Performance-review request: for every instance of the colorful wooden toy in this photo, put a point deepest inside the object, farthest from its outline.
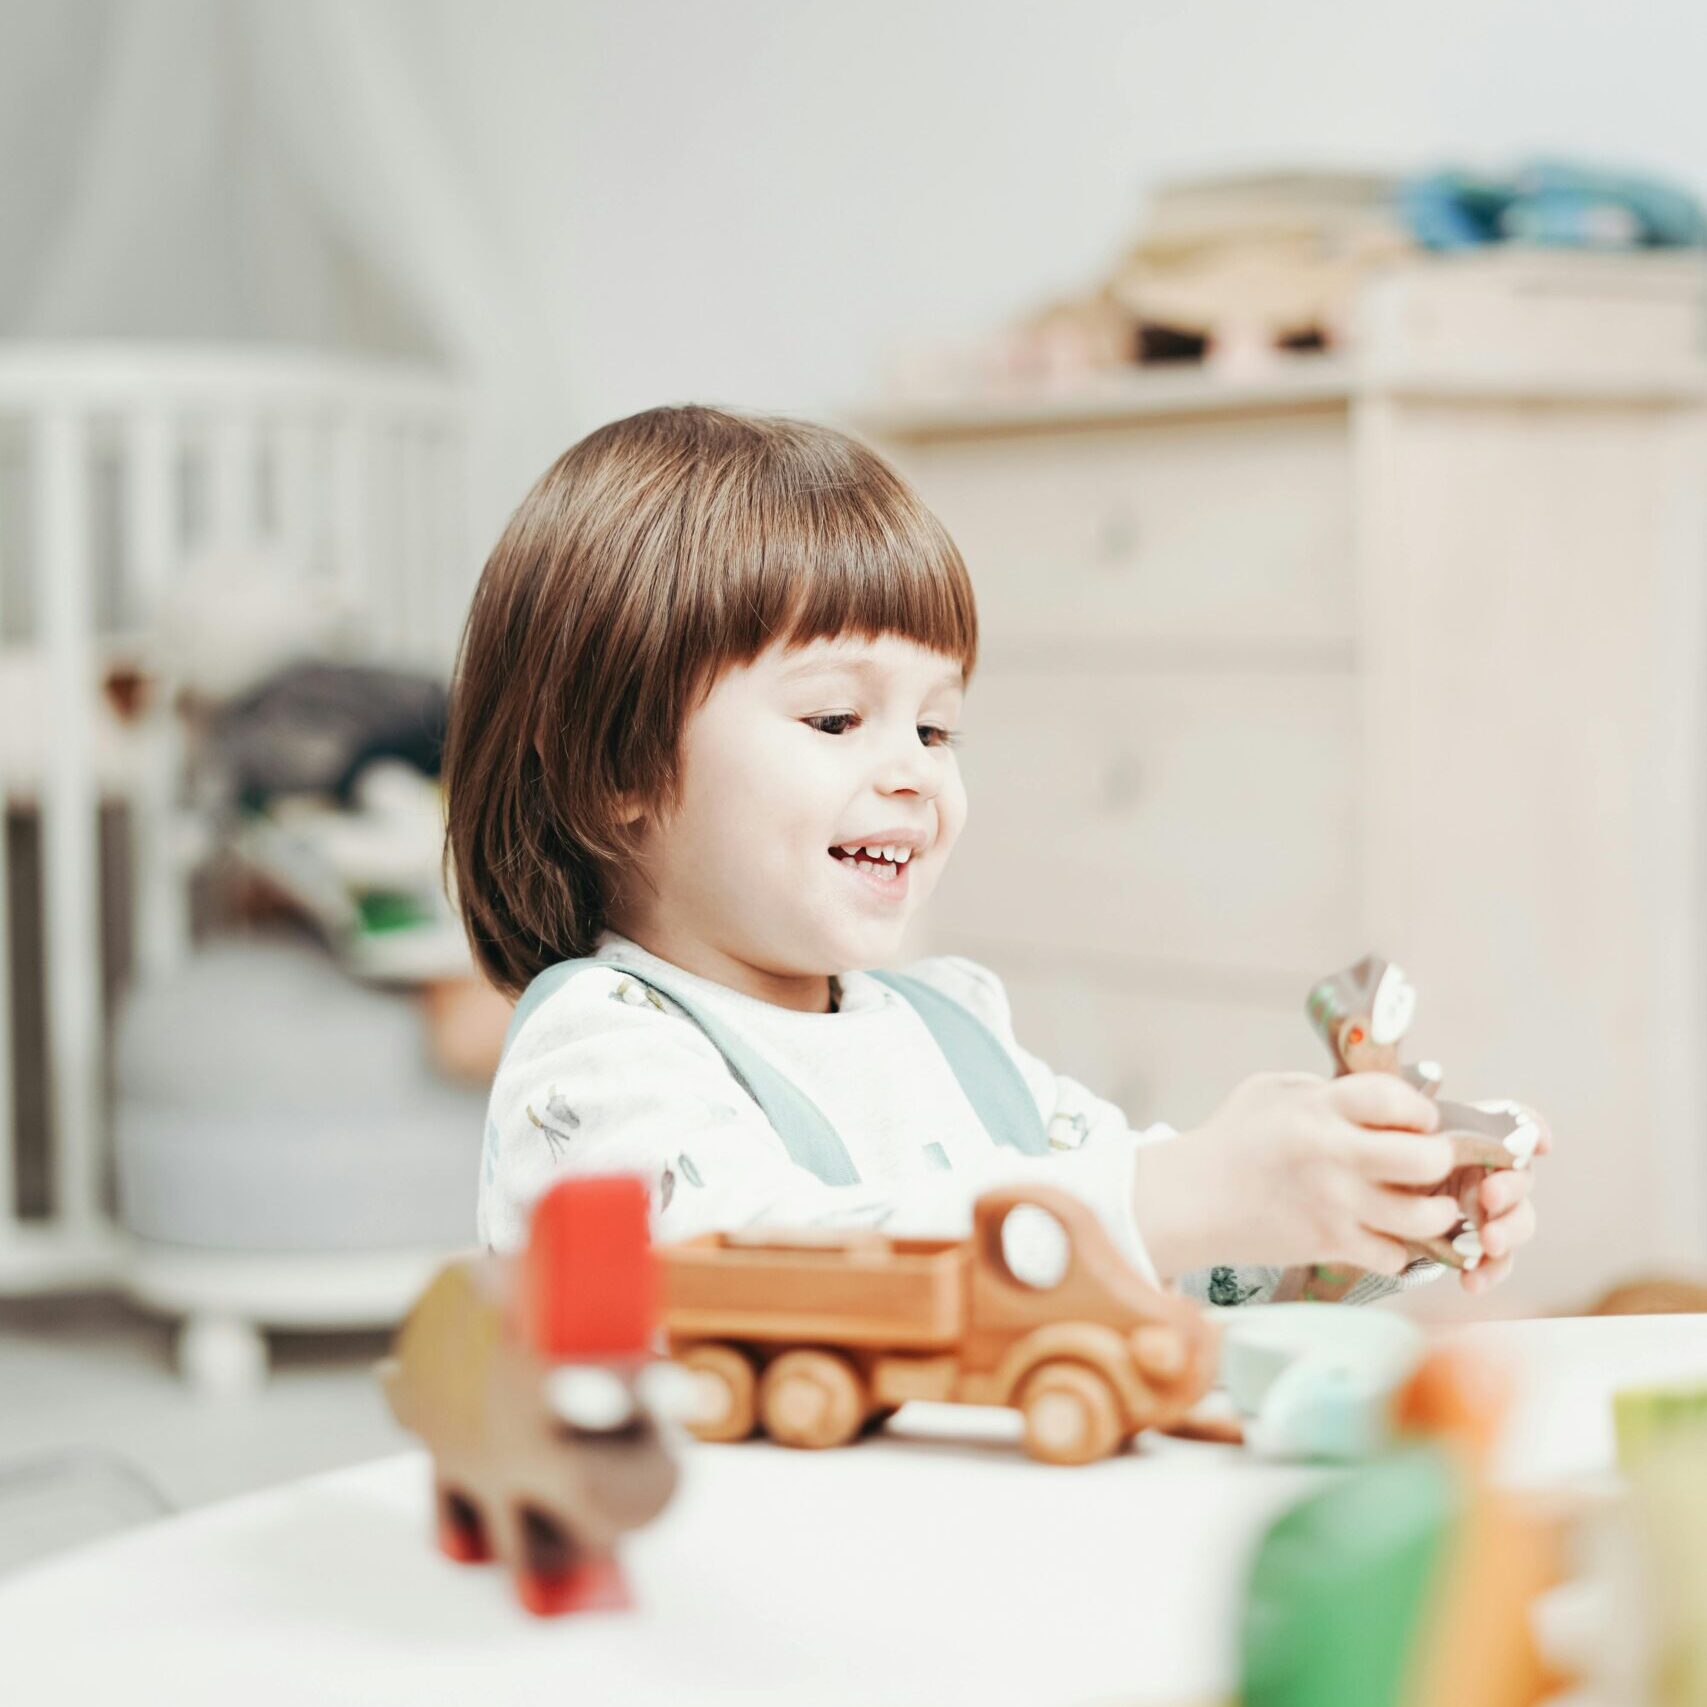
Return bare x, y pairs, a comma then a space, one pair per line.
1409, 1582
527, 1379
815, 1337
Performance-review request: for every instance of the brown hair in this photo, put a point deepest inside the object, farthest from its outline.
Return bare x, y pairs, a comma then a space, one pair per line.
652, 555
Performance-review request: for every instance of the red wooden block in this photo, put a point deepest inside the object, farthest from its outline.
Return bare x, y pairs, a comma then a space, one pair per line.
590, 1281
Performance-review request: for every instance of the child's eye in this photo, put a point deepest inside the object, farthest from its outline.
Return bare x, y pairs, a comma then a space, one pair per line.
943, 737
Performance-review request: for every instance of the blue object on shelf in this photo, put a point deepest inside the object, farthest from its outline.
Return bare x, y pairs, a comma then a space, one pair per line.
1553, 203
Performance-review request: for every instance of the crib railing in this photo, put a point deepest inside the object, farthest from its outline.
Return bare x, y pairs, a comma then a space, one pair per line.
119, 465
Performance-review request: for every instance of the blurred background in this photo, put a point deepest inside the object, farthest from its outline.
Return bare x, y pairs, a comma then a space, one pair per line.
1318, 394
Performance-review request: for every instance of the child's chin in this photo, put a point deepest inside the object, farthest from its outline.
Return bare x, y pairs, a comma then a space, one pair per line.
875, 947
849, 934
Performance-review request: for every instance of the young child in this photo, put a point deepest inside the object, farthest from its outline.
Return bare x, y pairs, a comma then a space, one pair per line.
701, 775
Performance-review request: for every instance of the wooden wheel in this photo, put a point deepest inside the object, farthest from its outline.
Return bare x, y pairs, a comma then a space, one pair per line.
812, 1399
726, 1382
1071, 1415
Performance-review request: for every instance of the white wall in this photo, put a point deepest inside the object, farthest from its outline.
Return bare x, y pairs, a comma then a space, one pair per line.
618, 202
751, 200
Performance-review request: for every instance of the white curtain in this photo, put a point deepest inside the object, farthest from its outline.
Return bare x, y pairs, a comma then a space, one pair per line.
261, 170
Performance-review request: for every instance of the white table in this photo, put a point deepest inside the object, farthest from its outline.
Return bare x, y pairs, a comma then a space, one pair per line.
934, 1565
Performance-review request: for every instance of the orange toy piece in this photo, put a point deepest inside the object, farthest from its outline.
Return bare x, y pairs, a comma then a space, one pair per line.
1454, 1397
817, 1336
1411, 1581
524, 1376
1501, 1558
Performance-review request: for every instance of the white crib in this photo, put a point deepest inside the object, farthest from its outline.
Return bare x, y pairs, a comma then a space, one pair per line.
118, 465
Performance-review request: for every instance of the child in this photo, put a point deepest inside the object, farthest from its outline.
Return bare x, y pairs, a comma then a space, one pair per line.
701, 775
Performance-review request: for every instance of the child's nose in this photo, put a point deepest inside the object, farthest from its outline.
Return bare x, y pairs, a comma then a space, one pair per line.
908, 770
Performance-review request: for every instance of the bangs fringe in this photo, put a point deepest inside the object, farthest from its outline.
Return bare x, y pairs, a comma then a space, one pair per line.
838, 546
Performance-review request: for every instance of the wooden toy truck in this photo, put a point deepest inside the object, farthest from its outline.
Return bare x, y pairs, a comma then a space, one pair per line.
815, 1338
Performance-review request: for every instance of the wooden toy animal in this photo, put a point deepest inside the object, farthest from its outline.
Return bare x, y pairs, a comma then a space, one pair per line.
527, 1379
1362, 1014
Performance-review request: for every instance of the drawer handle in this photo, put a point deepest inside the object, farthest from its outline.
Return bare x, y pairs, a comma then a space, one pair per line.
1122, 782
1117, 539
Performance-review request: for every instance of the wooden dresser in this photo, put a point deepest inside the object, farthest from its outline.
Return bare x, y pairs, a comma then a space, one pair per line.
1405, 653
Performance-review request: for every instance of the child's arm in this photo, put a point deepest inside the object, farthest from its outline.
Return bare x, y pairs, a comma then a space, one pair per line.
1197, 1204
600, 1085
1294, 1169
1499, 1201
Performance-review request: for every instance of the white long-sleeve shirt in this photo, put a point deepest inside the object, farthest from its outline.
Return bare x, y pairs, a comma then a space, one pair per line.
609, 1075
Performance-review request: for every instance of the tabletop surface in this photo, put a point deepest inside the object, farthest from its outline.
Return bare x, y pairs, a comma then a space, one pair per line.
933, 1563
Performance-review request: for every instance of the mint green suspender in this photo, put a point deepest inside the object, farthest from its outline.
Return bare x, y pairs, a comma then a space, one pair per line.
986, 1072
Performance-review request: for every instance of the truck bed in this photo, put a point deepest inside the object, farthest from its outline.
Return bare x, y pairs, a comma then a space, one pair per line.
844, 1289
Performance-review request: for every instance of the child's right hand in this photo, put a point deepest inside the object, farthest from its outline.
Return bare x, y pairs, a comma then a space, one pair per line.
1294, 1168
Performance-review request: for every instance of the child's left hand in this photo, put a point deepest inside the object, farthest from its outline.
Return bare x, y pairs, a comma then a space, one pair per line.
1508, 1216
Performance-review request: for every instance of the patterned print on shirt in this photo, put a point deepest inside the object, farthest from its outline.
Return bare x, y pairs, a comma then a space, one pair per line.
1067, 1131
559, 1122
637, 995
1224, 1287
684, 1169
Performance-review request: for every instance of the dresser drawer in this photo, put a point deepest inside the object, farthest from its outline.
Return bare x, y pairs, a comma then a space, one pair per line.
1156, 1056
1206, 531
1202, 820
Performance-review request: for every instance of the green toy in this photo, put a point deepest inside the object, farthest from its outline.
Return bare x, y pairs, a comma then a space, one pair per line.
1340, 1584
1410, 1582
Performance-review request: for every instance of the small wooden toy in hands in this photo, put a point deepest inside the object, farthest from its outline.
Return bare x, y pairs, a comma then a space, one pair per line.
1362, 1014
526, 1377
815, 1337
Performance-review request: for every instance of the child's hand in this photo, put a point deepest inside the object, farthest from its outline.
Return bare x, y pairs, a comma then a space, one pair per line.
1294, 1168
1507, 1215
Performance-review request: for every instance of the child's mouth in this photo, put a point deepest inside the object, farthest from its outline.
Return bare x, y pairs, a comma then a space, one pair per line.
879, 876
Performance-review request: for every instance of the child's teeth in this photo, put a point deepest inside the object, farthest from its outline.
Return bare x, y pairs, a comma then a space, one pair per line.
889, 861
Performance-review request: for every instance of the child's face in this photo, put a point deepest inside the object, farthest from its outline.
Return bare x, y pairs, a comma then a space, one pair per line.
803, 750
